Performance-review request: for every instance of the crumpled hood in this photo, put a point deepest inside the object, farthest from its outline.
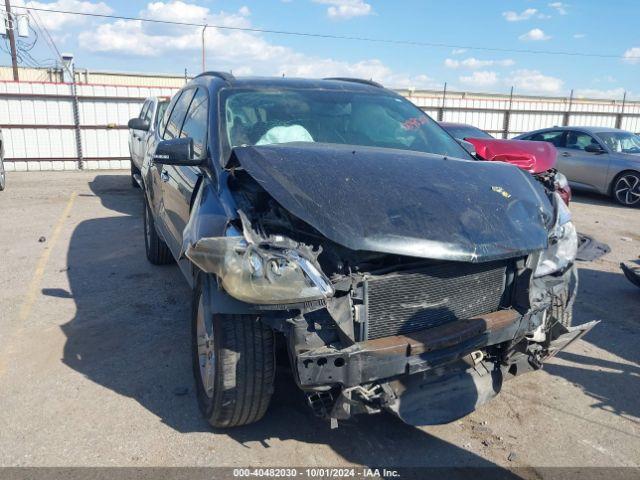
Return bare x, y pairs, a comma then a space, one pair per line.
403, 202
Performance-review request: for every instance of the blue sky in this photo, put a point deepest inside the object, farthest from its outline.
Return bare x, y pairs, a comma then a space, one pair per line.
579, 26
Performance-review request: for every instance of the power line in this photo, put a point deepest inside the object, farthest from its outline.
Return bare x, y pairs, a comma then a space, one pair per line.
341, 37
47, 37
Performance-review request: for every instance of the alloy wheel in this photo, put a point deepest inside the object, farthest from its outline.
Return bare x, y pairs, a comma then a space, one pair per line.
206, 354
627, 189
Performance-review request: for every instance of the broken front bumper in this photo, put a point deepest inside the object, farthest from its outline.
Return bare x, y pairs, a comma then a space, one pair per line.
403, 372
406, 354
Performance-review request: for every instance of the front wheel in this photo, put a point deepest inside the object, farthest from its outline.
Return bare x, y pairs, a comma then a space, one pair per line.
134, 171
3, 177
233, 362
626, 189
155, 247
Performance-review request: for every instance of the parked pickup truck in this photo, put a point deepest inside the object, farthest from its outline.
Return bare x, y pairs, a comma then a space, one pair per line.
400, 273
141, 129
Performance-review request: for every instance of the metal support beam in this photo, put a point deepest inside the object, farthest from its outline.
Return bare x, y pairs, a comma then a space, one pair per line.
76, 121
444, 100
12, 41
567, 115
507, 117
621, 114
204, 54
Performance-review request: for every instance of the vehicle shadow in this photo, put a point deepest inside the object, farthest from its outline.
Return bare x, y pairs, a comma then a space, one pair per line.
613, 383
131, 334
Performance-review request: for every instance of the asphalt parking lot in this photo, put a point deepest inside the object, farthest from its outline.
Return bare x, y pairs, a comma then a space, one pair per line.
95, 367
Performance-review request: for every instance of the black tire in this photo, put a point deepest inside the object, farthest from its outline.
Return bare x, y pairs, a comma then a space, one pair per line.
134, 171
561, 312
625, 189
157, 251
241, 368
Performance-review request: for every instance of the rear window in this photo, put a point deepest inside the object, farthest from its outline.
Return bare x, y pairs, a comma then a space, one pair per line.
162, 107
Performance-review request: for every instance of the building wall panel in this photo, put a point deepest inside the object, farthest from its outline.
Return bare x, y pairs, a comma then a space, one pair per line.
38, 122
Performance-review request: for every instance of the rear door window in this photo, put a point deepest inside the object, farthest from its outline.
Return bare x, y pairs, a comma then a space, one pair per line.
144, 110
195, 123
553, 136
167, 113
160, 111
149, 113
174, 125
579, 140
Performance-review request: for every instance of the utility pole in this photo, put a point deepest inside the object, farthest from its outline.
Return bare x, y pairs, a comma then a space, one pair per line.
12, 41
203, 48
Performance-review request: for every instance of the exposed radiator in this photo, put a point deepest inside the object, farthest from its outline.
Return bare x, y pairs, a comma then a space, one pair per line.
406, 302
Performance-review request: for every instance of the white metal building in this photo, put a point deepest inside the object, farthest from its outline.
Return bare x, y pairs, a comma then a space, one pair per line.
46, 127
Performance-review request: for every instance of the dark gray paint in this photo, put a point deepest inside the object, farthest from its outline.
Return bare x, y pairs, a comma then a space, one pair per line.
404, 202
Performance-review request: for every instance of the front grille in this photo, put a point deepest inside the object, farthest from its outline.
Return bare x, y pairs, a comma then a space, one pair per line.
406, 302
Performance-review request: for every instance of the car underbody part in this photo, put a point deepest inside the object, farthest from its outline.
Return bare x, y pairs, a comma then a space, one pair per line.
589, 249
632, 272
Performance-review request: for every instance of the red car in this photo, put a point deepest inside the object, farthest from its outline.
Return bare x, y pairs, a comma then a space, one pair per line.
537, 158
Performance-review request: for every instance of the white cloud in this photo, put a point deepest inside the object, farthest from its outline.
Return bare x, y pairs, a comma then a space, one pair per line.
632, 55
473, 63
523, 80
611, 93
480, 79
559, 7
512, 16
458, 51
533, 81
345, 9
534, 35
605, 79
56, 21
243, 52
579, 35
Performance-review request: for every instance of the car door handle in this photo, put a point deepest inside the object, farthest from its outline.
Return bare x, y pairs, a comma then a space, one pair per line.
164, 175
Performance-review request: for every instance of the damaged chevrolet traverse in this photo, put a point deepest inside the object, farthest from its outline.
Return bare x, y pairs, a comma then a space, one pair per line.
335, 218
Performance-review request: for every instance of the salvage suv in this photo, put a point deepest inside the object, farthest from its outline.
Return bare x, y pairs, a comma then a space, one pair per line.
399, 273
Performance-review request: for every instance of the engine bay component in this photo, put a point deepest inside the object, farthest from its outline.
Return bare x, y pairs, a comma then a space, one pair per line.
563, 242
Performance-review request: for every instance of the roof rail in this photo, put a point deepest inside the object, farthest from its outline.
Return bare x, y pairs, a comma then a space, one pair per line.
356, 80
227, 77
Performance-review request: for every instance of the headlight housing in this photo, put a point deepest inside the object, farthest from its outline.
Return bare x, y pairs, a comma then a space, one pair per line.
260, 274
563, 242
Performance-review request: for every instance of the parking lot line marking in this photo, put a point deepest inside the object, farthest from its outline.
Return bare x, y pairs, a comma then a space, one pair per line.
8, 347
34, 286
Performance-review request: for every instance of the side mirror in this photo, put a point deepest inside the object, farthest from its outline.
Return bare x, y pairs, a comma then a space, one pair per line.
178, 151
593, 148
468, 146
138, 124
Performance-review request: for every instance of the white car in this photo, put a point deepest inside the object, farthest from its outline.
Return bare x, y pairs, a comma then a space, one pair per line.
140, 130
